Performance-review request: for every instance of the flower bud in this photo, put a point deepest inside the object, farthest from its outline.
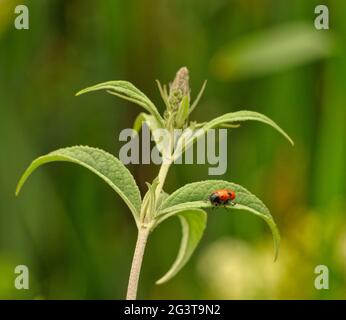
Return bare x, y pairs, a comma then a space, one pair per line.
179, 88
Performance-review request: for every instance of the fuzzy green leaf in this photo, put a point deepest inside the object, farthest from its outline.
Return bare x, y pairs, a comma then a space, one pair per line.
149, 200
162, 197
153, 125
127, 91
100, 162
195, 195
186, 140
183, 112
244, 115
193, 223
142, 117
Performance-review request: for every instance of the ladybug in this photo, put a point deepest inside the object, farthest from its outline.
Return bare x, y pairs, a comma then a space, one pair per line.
222, 197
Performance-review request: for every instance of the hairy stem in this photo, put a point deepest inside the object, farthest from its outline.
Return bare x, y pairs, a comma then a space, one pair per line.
162, 178
143, 233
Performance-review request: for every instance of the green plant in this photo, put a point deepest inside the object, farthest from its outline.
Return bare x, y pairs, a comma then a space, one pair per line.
156, 206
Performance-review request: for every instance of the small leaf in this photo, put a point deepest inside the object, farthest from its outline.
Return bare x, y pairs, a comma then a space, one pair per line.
195, 195
199, 96
127, 91
162, 197
183, 112
149, 201
164, 94
153, 125
137, 124
193, 223
105, 165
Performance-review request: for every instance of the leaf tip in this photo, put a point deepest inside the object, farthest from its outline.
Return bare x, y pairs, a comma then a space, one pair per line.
276, 247
276, 254
162, 280
18, 187
289, 139
20, 184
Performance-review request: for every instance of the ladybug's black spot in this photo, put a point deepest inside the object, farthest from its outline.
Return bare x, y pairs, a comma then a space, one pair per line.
215, 199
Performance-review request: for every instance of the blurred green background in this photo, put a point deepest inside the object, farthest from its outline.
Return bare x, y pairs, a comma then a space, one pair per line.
71, 230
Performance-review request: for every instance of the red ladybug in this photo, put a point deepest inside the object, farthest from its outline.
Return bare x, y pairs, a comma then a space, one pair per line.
222, 197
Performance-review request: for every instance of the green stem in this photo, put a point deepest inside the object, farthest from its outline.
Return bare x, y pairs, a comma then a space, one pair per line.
162, 178
143, 233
